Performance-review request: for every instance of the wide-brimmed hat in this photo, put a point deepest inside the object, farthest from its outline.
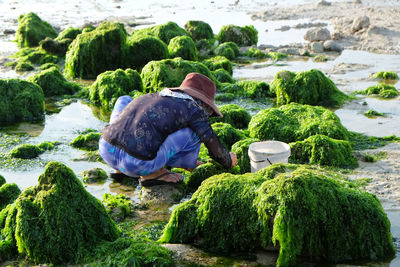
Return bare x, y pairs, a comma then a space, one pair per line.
201, 87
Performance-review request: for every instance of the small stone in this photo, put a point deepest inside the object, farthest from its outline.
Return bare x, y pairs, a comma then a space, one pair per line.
331, 45
161, 194
9, 31
95, 175
289, 51
284, 28
317, 34
360, 23
323, 3
317, 47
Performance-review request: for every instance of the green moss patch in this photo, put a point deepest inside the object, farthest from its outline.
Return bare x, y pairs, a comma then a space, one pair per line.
118, 206
20, 101
387, 75
29, 151
95, 175
88, 141
219, 62
296, 122
184, 47
241, 149
233, 114
221, 75
255, 89
320, 58
230, 50
308, 87
242, 36
112, 84
31, 30
227, 134
33, 56
199, 30
23, 66
69, 33
165, 32
373, 113
381, 89
323, 150
8, 194
303, 209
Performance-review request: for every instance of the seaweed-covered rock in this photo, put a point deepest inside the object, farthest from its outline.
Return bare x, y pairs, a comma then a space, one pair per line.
165, 31
31, 30
143, 49
8, 193
118, 206
2, 180
241, 149
95, 175
308, 87
230, 50
227, 134
184, 47
323, 150
57, 221
112, 84
7, 228
255, 89
219, 62
296, 122
223, 76
34, 56
231, 88
88, 141
69, 33
97, 51
170, 73
372, 113
233, 114
23, 66
20, 101
26, 151
199, 30
242, 36
54, 83
48, 66
381, 89
303, 209
56, 47
387, 75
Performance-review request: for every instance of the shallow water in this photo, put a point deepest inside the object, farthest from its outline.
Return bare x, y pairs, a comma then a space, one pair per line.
78, 116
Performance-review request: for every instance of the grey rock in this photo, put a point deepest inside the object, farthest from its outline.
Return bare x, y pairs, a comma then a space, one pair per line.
323, 3
9, 31
290, 51
160, 195
331, 45
317, 34
283, 28
360, 23
317, 47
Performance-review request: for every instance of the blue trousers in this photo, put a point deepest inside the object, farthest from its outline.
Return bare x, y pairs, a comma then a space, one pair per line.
180, 149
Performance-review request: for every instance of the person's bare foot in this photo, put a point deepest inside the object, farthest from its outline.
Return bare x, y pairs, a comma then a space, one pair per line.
163, 175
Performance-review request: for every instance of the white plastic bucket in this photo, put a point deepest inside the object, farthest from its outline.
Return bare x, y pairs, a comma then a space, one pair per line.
263, 154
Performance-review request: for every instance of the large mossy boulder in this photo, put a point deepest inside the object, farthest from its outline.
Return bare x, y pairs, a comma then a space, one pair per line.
57, 221
223, 76
170, 73
26, 151
112, 84
143, 49
20, 101
227, 134
323, 150
242, 36
8, 194
165, 32
307, 87
296, 122
97, 51
255, 89
233, 114
53, 83
241, 149
31, 30
230, 50
199, 30
219, 62
300, 209
184, 47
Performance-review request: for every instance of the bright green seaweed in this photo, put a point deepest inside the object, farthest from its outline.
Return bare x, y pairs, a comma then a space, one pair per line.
31, 30
242, 36
88, 141
199, 30
233, 114
184, 47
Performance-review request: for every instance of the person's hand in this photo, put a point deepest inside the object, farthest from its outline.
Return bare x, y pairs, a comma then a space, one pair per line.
234, 159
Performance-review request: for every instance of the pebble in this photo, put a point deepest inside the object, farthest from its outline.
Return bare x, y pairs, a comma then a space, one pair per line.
317, 34
331, 45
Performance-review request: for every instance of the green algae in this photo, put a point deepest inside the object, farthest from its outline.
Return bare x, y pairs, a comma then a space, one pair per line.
241, 149
165, 32
58, 221
8, 194
48, 66
21, 101
199, 30
143, 49
320, 58
242, 36
23, 66
255, 89
222, 76
26, 151
300, 209
225, 97
170, 73
308, 87
110, 85
31, 30
323, 150
7, 228
372, 113
361, 141
387, 75
184, 47
94, 176
230, 50
54, 83
233, 114
97, 51
56, 47
32, 56
296, 122
219, 62
68, 33
227, 134
381, 89
117, 206
2, 180
88, 141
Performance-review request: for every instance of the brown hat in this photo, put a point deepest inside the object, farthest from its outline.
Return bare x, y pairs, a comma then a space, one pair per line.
201, 87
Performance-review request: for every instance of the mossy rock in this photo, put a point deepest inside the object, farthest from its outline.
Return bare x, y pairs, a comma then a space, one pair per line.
323, 150
320, 58
88, 141
8, 194
26, 151
56, 47
381, 89
241, 149
225, 97
69, 33
184, 47
233, 114
57, 221
48, 66
205, 47
112, 84
227, 134
46, 145
373, 113
230, 50
34, 56
21, 101
31, 30
387, 75
255, 89
256, 53
97, 51
296, 122
95, 175
199, 30
308, 87
165, 32
54, 83
143, 49
231, 88
242, 36
118, 206
2, 180
157, 75
219, 62
24, 66
303, 209
223, 76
